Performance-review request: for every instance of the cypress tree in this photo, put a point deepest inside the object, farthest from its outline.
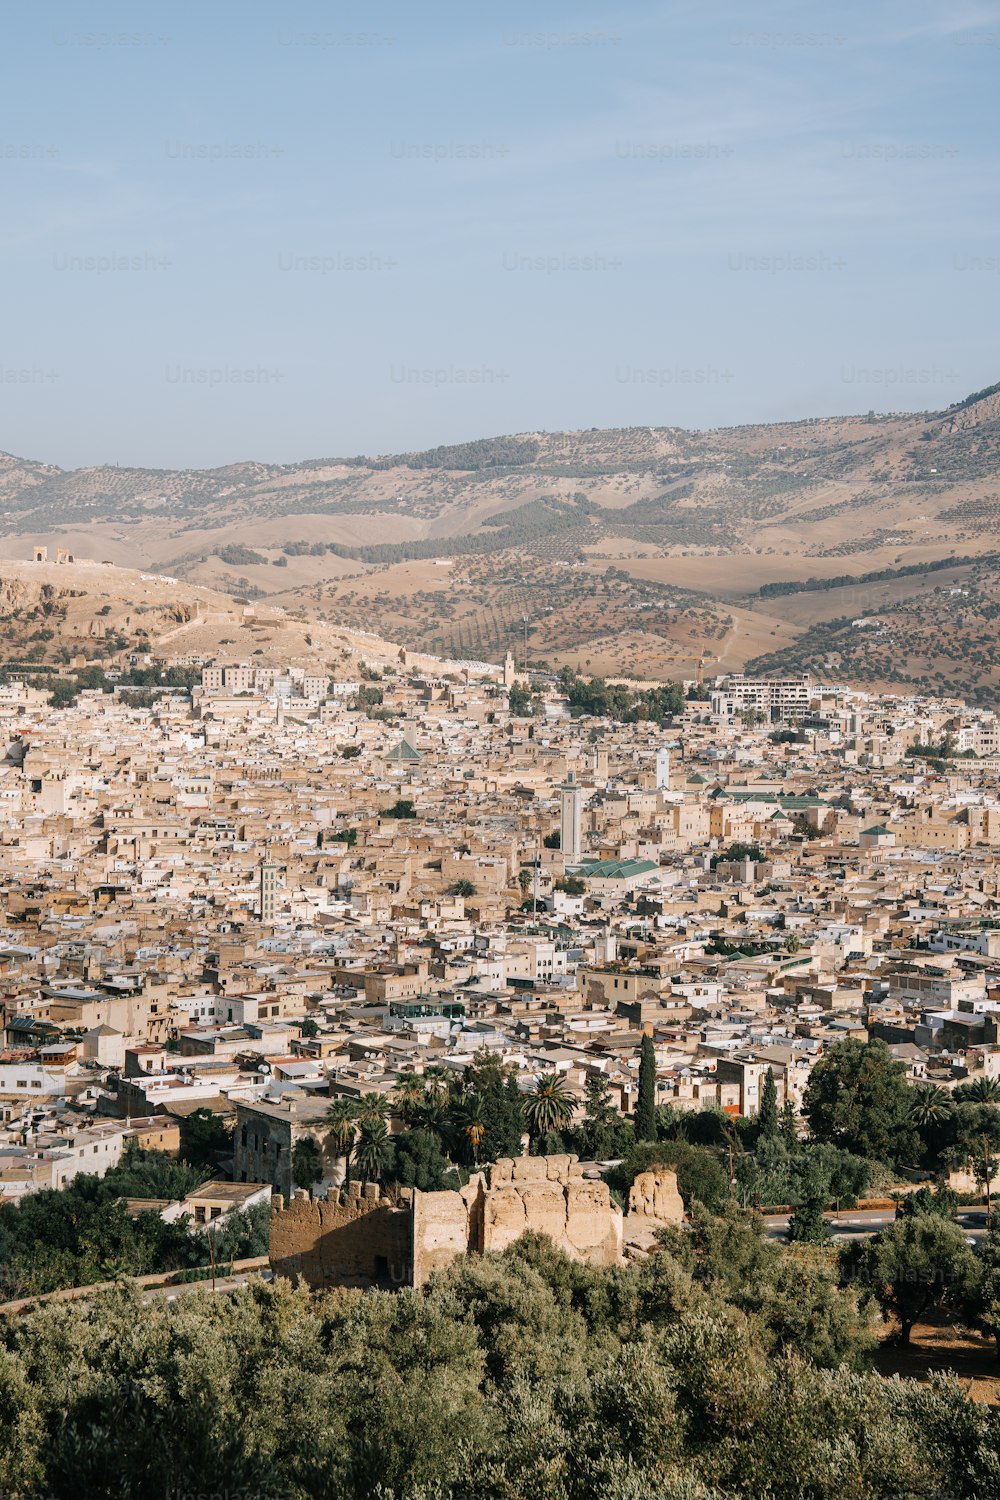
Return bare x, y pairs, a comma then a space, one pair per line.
645, 1114
767, 1115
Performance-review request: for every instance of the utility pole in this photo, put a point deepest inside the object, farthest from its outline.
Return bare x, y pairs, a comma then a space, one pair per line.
524, 659
534, 888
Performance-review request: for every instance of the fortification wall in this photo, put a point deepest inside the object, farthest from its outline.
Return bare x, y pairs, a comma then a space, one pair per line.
365, 1239
549, 1195
359, 1239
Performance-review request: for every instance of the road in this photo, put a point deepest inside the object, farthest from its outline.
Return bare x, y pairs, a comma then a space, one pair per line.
223, 1284
858, 1224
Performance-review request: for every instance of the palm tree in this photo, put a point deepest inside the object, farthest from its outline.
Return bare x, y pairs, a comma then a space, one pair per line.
931, 1104
408, 1094
372, 1150
374, 1106
550, 1107
437, 1080
984, 1091
469, 1125
341, 1118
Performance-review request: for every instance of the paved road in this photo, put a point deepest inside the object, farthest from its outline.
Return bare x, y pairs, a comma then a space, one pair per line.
858, 1224
222, 1284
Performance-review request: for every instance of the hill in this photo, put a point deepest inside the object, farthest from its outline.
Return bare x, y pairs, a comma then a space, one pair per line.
639, 550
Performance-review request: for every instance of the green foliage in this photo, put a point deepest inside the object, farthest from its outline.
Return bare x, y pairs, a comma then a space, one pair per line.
205, 1138
916, 1264
572, 885
236, 555
463, 888
84, 1233
419, 1162
500, 1105
848, 580
549, 1107
983, 1303
605, 700
777, 1173
721, 1367
767, 1115
403, 807
307, 1163
700, 1176
645, 1113
603, 1133
857, 1098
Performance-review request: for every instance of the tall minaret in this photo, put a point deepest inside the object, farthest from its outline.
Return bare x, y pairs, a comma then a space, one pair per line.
268, 887
663, 770
571, 819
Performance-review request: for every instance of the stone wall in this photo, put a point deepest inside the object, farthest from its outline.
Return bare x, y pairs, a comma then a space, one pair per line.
654, 1195
364, 1239
357, 1239
446, 1225
549, 1194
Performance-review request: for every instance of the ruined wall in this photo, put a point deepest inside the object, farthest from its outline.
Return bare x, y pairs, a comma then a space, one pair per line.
446, 1225
360, 1239
548, 1194
364, 1239
654, 1195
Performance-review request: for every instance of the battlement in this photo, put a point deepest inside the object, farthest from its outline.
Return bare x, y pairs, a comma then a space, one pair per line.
362, 1237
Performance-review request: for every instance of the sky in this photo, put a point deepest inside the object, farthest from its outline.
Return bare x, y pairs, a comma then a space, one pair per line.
245, 231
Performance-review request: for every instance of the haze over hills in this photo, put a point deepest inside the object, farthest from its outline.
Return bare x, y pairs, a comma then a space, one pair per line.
638, 551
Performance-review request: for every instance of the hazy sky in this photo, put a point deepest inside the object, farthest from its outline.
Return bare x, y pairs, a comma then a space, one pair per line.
239, 231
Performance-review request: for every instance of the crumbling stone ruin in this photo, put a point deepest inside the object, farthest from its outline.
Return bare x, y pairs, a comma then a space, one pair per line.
363, 1238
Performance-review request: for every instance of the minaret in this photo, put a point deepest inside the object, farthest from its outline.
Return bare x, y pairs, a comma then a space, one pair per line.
663, 770
508, 670
268, 889
570, 819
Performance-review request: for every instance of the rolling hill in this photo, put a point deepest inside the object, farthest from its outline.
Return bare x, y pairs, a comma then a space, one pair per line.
637, 551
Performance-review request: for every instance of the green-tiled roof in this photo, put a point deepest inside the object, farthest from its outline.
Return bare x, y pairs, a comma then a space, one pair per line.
615, 869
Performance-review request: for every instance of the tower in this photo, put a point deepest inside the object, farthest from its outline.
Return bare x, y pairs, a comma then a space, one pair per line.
268, 889
663, 770
571, 819
508, 670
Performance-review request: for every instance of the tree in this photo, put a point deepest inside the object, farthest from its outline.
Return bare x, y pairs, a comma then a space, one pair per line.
402, 808
980, 1091
419, 1162
789, 1132
916, 1264
645, 1112
373, 1152
983, 1305
700, 1176
469, 1125
550, 1106
341, 1122
930, 1105
603, 1132
309, 1028
551, 841
857, 1098
767, 1115
307, 1163
501, 1106
807, 1224
205, 1138
463, 888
